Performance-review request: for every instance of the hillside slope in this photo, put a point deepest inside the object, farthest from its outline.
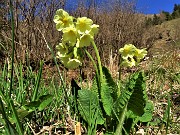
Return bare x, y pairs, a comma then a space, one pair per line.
166, 37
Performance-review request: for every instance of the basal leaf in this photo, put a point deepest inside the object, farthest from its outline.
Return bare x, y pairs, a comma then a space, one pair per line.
45, 100
31, 106
110, 82
108, 91
106, 97
88, 105
95, 87
138, 98
40, 104
134, 95
147, 116
132, 119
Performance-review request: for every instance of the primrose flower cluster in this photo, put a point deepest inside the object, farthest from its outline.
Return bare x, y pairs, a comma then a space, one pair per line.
77, 34
131, 55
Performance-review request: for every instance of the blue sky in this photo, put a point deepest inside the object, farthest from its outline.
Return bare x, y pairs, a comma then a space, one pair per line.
156, 6
143, 6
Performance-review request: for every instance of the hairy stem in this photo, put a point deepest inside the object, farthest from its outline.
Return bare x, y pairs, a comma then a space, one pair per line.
99, 63
121, 121
119, 77
94, 63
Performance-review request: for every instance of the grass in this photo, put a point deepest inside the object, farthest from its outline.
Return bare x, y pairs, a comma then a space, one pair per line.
22, 94
163, 83
163, 86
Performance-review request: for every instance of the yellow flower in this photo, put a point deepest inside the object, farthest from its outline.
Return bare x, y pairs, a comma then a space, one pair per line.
70, 35
140, 54
73, 63
129, 62
64, 59
127, 51
94, 29
70, 59
75, 36
62, 49
62, 19
131, 56
85, 40
83, 24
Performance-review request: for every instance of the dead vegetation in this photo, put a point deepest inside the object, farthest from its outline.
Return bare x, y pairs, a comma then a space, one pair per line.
119, 24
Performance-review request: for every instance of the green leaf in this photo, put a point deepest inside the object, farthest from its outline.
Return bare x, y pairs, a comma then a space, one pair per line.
94, 86
108, 91
111, 83
106, 97
9, 127
44, 100
22, 113
138, 98
16, 118
40, 104
88, 105
147, 116
32, 106
134, 95
132, 119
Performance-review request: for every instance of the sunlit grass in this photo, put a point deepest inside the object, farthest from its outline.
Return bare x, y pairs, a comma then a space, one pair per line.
163, 80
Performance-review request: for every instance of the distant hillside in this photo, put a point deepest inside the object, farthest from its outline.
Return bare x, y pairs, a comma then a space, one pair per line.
173, 27
166, 35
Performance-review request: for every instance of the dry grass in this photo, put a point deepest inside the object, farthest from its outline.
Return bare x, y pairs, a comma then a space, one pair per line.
119, 26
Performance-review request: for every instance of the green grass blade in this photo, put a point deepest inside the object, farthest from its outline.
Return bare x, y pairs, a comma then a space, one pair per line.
9, 128
18, 124
2, 85
168, 114
37, 82
2, 111
19, 75
13, 48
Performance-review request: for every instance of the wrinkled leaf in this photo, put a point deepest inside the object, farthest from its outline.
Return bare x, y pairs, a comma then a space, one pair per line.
106, 98
88, 105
